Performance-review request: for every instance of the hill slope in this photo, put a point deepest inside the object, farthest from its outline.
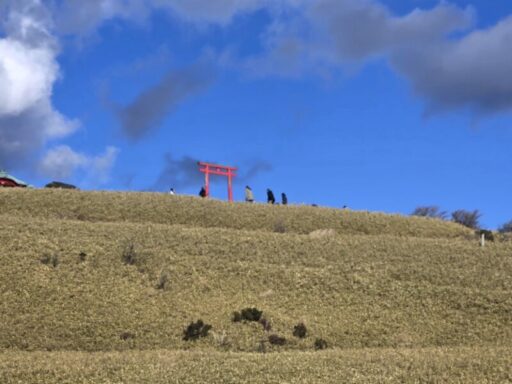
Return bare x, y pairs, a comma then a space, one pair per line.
414, 288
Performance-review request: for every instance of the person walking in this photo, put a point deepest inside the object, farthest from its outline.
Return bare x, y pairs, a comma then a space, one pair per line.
284, 199
249, 196
270, 196
202, 192
171, 191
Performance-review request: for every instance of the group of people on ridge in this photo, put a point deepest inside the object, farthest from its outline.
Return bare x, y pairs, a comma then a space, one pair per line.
249, 196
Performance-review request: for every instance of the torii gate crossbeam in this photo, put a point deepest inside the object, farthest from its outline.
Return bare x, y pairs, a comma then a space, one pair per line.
220, 170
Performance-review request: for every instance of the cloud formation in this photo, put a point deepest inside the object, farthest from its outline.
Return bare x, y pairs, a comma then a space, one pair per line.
62, 162
28, 71
151, 106
183, 173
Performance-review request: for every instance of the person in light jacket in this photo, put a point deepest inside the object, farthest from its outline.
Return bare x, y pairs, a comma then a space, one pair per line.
249, 196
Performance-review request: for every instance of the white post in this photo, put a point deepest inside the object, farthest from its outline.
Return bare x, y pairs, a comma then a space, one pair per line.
482, 240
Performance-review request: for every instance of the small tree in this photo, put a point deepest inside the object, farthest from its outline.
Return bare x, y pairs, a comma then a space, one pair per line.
429, 211
467, 218
506, 228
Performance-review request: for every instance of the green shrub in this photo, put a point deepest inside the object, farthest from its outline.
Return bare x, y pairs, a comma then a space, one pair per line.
196, 330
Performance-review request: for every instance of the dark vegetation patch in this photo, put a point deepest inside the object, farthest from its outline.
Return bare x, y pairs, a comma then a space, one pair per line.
164, 280
127, 336
488, 235
82, 256
276, 340
320, 344
129, 256
300, 331
196, 330
247, 314
51, 260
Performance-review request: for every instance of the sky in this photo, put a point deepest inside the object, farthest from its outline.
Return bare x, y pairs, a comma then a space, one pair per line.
379, 105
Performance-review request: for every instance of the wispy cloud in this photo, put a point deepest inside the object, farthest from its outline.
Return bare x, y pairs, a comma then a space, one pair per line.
183, 173
150, 107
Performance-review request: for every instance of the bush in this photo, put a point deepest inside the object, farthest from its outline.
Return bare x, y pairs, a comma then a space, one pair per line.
196, 330
164, 280
266, 324
429, 211
276, 340
247, 314
51, 260
300, 331
279, 227
506, 228
488, 235
467, 218
82, 256
129, 256
126, 336
320, 344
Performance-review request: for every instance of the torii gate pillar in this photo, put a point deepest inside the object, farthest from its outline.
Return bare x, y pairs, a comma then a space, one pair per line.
220, 170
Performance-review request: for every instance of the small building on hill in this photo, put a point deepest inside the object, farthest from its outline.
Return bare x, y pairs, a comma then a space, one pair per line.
7, 180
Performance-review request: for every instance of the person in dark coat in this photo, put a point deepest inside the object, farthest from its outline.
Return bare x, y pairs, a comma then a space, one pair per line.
202, 192
270, 197
284, 199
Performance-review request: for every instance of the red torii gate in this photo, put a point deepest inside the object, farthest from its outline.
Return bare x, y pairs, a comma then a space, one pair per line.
220, 170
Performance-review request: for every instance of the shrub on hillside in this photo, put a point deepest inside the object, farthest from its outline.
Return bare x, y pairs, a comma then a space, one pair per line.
247, 314
129, 255
300, 331
279, 227
276, 340
429, 211
82, 256
320, 344
506, 228
196, 330
164, 280
469, 219
51, 260
488, 235
127, 336
265, 324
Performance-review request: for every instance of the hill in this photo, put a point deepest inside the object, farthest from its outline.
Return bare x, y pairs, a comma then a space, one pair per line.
113, 279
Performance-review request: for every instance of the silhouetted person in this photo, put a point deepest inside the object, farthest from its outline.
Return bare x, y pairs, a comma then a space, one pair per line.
270, 197
284, 199
249, 196
202, 192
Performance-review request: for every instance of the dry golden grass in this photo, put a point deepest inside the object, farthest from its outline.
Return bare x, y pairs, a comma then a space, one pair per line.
410, 300
364, 366
192, 211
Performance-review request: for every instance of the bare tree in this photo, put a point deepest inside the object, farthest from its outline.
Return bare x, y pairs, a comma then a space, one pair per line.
469, 219
506, 228
429, 211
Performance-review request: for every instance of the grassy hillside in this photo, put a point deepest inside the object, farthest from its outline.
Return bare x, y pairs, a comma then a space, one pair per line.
111, 280
191, 211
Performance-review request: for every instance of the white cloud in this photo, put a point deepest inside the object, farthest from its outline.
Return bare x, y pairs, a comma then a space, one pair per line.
28, 72
62, 162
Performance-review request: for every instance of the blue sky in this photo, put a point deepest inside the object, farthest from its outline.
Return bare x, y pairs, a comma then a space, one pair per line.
377, 105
